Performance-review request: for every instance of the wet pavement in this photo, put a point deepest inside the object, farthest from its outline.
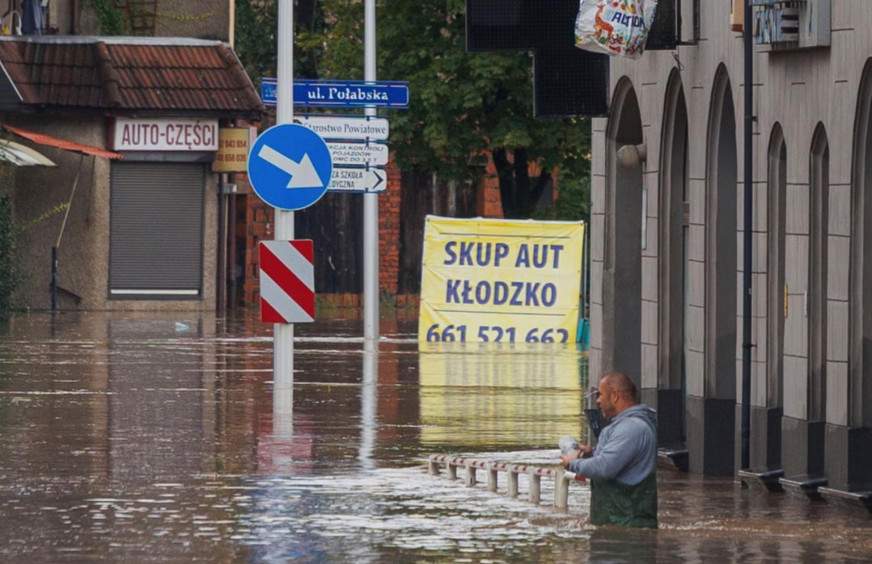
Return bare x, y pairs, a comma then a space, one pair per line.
152, 438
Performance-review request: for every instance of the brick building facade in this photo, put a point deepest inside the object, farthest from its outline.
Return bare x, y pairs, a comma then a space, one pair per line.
255, 223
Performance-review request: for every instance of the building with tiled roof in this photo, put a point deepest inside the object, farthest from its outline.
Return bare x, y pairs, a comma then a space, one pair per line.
126, 74
147, 229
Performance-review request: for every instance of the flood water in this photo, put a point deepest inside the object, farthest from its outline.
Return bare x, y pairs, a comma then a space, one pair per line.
154, 438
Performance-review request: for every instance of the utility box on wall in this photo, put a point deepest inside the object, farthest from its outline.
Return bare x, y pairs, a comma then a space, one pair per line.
781, 25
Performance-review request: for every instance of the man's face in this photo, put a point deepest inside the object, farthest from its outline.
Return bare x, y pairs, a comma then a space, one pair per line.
605, 401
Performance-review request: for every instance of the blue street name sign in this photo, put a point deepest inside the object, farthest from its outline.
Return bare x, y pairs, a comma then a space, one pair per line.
289, 166
342, 93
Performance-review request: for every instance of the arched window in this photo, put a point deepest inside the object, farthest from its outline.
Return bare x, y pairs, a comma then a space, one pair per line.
721, 247
673, 265
777, 192
621, 280
859, 392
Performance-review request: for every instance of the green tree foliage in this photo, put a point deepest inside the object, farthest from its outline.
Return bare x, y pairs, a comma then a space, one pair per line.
110, 17
256, 40
467, 105
464, 106
10, 275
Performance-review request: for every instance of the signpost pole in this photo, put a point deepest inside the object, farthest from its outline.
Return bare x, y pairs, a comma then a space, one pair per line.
370, 200
283, 333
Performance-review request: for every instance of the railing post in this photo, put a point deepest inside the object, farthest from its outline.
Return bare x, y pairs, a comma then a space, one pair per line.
535, 486
561, 489
492, 477
452, 470
513, 482
470, 475
513, 471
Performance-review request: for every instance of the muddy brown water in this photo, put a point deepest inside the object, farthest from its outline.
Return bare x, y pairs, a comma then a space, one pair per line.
152, 438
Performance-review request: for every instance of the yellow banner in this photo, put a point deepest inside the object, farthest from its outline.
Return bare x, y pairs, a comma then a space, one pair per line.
509, 281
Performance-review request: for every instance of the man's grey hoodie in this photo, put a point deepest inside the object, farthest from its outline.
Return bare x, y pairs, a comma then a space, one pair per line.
626, 450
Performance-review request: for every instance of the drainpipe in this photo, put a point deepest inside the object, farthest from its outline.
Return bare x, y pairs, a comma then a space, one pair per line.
54, 279
747, 247
221, 279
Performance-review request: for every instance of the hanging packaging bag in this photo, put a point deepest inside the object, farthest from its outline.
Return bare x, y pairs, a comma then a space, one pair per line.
616, 27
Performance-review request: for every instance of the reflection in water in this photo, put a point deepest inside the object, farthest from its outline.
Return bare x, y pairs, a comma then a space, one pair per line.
368, 398
493, 395
159, 438
159, 424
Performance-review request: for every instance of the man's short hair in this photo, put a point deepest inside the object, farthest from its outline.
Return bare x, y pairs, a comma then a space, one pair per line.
623, 384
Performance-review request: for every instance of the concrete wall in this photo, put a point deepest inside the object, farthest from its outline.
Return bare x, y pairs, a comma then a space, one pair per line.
83, 253
800, 91
84, 247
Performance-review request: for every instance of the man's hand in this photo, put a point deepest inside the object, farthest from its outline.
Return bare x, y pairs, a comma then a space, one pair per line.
583, 451
565, 459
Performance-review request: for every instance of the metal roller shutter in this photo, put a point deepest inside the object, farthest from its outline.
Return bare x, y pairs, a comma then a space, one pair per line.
156, 240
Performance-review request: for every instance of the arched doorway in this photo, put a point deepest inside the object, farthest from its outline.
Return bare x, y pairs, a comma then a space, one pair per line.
766, 397
622, 308
711, 386
849, 414
673, 267
819, 186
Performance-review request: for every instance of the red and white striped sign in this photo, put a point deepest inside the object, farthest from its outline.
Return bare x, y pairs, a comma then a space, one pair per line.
287, 281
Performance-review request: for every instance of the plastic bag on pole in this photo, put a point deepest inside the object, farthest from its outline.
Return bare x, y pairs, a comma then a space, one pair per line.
616, 27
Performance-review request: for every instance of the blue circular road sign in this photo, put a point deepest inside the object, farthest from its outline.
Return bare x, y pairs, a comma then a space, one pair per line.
289, 167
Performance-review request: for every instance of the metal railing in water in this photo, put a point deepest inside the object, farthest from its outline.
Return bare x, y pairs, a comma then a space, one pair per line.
561, 477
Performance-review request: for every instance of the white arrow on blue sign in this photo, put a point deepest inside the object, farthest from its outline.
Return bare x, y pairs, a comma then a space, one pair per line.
358, 180
289, 167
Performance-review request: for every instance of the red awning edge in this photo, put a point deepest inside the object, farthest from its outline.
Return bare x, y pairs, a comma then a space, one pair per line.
50, 141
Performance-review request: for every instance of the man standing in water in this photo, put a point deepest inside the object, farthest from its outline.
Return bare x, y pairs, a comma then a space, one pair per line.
622, 466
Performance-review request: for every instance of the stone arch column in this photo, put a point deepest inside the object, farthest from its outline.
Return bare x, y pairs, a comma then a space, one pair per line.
673, 267
621, 280
768, 379
849, 384
805, 320
819, 186
711, 388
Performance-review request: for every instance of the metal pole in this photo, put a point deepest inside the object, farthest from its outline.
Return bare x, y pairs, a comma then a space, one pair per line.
747, 246
231, 250
283, 334
368, 406
221, 281
585, 272
370, 200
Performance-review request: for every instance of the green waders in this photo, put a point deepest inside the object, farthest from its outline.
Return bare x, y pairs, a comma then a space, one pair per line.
613, 503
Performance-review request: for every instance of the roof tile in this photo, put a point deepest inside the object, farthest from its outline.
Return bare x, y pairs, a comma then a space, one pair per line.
104, 73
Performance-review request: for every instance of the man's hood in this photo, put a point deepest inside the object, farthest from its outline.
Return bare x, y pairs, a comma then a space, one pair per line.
643, 412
